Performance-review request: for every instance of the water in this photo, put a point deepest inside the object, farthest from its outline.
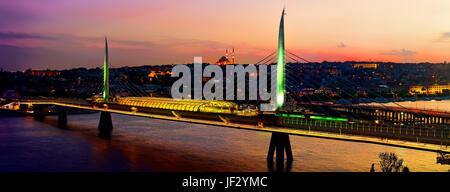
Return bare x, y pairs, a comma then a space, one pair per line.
143, 144
443, 105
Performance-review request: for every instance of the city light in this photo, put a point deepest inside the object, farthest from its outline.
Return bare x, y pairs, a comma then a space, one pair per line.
328, 118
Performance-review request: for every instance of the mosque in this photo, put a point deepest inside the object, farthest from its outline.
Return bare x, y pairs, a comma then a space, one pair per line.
224, 60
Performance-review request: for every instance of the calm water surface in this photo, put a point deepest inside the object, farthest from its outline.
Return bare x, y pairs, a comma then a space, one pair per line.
143, 144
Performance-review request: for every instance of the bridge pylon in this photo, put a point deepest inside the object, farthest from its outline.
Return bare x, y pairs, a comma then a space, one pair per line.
39, 112
105, 126
279, 143
281, 62
62, 116
106, 73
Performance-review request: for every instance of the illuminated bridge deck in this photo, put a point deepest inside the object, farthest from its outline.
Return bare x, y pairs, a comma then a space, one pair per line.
338, 130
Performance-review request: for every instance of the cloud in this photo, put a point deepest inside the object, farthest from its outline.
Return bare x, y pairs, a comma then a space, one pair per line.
444, 37
66, 40
342, 45
20, 51
13, 36
92, 39
409, 60
400, 52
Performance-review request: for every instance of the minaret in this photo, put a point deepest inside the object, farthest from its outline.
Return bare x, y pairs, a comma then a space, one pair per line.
280, 65
232, 57
106, 73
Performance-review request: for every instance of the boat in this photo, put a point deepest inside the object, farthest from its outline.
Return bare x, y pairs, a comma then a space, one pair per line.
443, 158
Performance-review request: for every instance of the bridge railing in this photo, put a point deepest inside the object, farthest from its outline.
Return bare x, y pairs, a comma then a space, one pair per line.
73, 101
437, 134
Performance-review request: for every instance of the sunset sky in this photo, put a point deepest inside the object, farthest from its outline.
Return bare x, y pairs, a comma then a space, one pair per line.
57, 34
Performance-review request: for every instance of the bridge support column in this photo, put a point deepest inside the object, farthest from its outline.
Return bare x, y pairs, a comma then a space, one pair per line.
105, 125
280, 142
38, 112
410, 118
407, 118
62, 116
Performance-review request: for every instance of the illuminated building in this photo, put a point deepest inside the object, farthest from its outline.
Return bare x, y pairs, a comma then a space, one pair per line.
205, 106
157, 74
10, 94
366, 65
428, 90
46, 73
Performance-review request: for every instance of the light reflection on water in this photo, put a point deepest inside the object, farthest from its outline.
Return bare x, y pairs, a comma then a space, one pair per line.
434, 105
143, 144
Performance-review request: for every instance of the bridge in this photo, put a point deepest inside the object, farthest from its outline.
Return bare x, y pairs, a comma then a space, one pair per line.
378, 124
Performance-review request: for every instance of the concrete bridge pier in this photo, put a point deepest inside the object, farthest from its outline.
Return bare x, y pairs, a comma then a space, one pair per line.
38, 112
105, 126
62, 116
280, 142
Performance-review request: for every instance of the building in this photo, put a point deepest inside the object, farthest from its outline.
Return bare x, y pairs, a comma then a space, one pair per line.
428, 90
10, 94
366, 65
157, 74
224, 60
45, 73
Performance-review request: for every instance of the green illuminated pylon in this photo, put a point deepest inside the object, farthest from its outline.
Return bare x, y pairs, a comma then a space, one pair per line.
106, 73
280, 65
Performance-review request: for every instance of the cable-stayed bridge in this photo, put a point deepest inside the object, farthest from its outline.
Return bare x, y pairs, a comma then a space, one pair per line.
405, 127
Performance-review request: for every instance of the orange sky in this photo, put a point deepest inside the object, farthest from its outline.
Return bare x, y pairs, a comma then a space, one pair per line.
66, 34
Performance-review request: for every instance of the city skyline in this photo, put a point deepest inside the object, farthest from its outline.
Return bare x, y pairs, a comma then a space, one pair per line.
70, 34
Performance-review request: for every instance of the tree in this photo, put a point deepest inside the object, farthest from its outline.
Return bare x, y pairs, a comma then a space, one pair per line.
389, 162
406, 169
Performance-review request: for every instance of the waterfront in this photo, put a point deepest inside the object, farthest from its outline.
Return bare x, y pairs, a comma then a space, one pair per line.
143, 144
